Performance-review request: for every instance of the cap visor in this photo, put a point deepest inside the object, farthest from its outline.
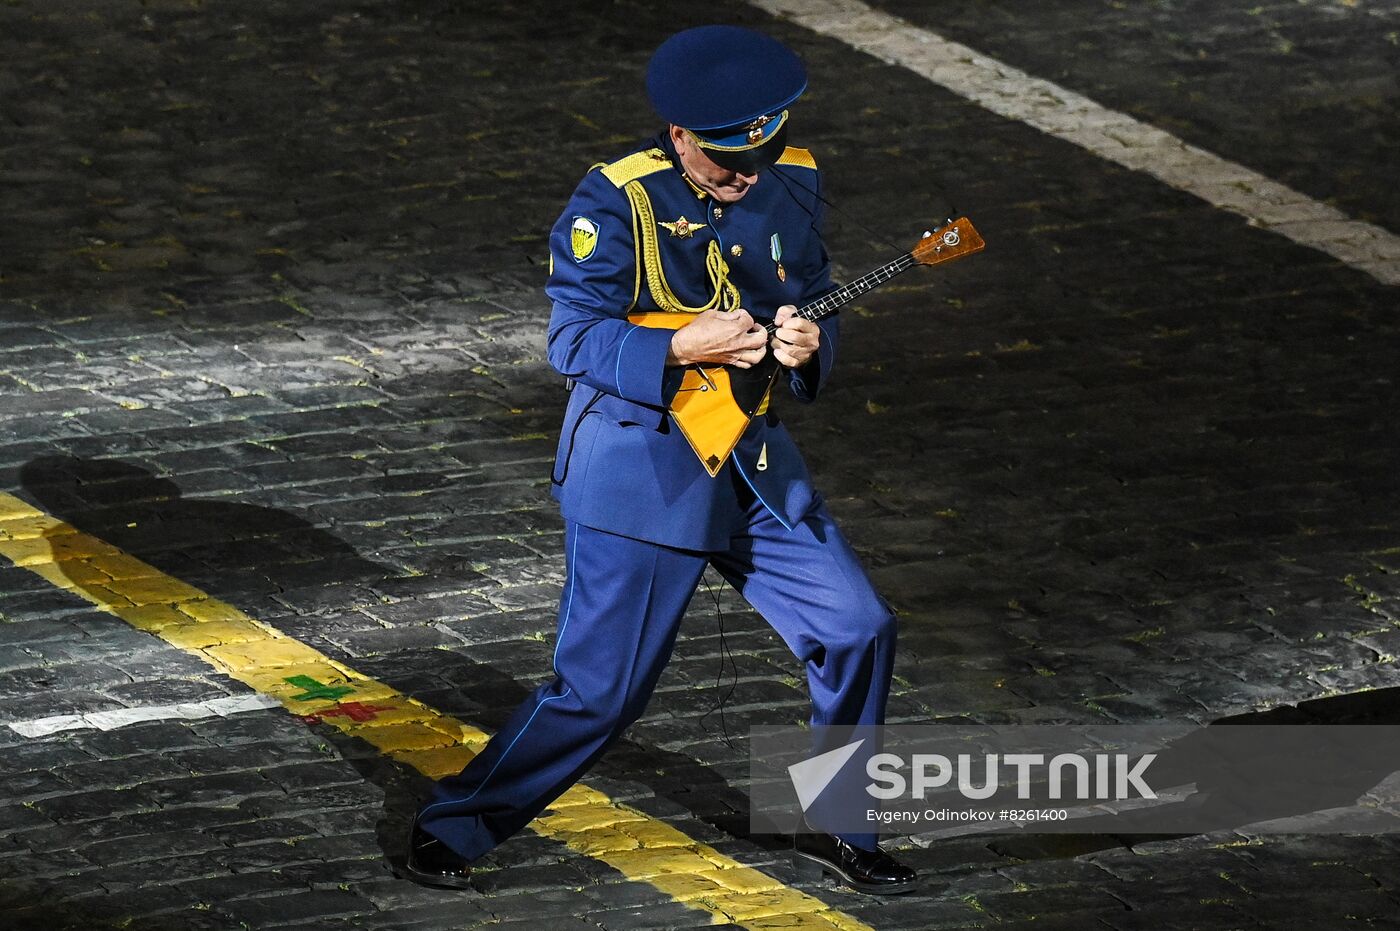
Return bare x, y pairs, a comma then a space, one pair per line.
750, 161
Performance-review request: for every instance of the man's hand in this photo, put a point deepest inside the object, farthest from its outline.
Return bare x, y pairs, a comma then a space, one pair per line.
729, 338
795, 339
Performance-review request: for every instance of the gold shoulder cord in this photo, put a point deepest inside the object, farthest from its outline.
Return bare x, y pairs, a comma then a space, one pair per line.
726, 296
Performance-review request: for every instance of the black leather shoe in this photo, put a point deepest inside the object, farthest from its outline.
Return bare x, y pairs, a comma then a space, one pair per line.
430, 862
872, 871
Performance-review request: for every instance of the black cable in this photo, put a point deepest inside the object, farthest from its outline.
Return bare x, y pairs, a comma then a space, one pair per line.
568, 456
784, 177
723, 655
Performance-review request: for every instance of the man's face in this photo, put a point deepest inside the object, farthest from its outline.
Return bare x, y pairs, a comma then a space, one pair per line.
724, 185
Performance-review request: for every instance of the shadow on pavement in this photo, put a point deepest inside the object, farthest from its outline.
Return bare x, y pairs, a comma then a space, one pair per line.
1292, 784
224, 548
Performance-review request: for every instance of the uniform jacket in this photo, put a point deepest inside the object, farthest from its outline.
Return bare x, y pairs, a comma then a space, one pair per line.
622, 465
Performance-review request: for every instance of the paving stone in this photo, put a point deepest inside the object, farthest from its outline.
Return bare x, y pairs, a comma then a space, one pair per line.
20, 818
149, 847
340, 874
643, 918
134, 771
1046, 901
254, 827
428, 910
576, 923
283, 910
54, 702
534, 879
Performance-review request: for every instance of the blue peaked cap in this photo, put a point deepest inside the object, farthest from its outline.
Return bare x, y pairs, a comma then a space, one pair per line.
730, 87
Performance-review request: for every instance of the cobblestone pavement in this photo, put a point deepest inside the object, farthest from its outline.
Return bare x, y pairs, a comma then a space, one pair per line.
270, 322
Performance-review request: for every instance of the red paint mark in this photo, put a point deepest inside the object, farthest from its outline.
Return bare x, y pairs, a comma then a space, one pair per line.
355, 711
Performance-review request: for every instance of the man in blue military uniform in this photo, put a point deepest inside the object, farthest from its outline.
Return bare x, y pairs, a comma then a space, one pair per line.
716, 220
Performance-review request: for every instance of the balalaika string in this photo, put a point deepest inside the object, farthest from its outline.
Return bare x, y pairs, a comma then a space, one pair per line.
830, 303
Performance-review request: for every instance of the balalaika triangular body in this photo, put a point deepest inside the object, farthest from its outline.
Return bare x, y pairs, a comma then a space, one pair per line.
715, 403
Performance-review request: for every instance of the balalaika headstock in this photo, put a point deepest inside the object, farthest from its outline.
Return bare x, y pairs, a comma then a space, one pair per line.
953, 240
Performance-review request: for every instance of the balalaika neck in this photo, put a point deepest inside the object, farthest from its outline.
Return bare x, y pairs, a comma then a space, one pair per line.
832, 301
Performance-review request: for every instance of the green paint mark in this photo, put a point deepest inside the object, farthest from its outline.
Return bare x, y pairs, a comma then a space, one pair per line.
316, 690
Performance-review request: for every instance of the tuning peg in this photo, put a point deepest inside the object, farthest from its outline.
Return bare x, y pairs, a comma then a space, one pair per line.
927, 234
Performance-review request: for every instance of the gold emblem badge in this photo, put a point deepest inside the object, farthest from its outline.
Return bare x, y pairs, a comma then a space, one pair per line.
583, 238
755, 129
682, 228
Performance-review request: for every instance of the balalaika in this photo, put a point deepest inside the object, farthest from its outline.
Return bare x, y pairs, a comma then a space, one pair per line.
716, 402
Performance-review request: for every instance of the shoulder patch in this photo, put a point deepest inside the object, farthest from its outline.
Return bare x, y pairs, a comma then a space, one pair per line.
637, 165
795, 156
583, 238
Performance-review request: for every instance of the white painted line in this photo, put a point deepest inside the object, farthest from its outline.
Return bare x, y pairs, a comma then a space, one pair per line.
1115, 136
121, 717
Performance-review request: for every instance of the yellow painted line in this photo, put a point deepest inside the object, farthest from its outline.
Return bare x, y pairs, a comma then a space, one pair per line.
640, 847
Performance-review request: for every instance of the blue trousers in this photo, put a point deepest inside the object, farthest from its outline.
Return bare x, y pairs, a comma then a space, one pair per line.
621, 607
